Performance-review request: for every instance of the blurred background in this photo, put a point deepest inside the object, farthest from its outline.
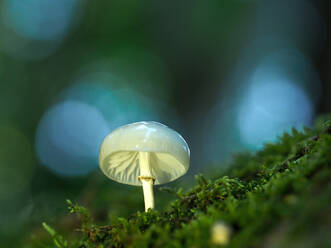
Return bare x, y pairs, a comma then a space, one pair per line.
227, 75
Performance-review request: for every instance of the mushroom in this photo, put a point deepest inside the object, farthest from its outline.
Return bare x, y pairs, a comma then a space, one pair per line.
220, 233
144, 154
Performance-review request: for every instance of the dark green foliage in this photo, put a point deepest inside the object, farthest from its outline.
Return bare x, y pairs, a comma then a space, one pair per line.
279, 197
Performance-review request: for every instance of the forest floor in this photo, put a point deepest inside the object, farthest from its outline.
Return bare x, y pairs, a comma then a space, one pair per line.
278, 197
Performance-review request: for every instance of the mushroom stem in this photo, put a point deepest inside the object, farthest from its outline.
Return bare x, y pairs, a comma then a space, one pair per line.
144, 163
147, 180
148, 192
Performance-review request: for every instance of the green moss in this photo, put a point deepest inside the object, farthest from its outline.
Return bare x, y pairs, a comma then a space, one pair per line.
278, 197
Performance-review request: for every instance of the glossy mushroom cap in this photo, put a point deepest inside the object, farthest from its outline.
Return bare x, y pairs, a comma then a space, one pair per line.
168, 151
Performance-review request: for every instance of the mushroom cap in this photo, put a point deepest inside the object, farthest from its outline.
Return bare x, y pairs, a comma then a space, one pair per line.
119, 153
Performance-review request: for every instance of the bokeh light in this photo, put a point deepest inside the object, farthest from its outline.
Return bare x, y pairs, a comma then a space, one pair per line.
274, 91
289, 63
267, 94
118, 99
119, 106
39, 19
34, 29
270, 108
69, 136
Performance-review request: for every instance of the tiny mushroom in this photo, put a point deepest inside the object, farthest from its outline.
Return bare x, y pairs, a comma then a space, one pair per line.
220, 233
143, 154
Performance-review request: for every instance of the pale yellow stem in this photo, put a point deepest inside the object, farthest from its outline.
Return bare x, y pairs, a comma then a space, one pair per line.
148, 193
146, 179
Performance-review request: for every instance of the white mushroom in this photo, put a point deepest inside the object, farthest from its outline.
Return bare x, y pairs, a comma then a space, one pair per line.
143, 154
